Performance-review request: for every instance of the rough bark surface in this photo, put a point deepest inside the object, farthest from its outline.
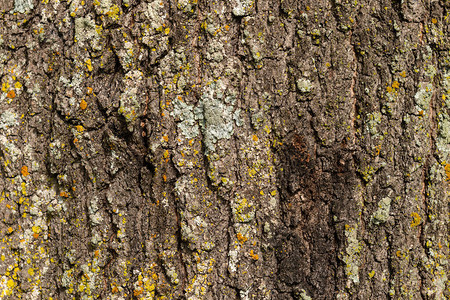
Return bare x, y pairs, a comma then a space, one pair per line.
239, 149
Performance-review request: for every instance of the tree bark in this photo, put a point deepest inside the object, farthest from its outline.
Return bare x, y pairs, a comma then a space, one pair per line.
239, 149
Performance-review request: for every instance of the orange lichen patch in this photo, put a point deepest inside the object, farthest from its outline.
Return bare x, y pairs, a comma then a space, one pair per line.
114, 290
97, 253
434, 21
79, 128
137, 292
241, 238
10, 229
166, 154
447, 172
165, 138
89, 90
398, 253
253, 255
395, 84
64, 194
164, 177
35, 235
24, 171
403, 74
11, 94
377, 150
255, 138
416, 219
83, 104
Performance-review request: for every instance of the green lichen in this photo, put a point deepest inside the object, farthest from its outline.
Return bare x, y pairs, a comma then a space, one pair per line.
243, 210
304, 295
382, 214
373, 120
352, 253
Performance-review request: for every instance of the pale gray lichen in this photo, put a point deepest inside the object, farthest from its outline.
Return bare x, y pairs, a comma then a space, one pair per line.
215, 50
10, 151
304, 85
443, 139
87, 31
185, 5
75, 83
215, 115
129, 100
185, 113
237, 117
446, 83
423, 95
216, 118
242, 7
8, 119
373, 120
155, 13
382, 213
23, 6
257, 120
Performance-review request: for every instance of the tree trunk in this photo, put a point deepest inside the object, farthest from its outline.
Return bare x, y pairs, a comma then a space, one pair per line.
233, 149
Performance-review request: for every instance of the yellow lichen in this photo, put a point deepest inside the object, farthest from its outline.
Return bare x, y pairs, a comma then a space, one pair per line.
10, 283
36, 229
89, 64
416, 219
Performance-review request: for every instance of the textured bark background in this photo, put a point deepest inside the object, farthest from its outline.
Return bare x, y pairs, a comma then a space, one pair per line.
239, 149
